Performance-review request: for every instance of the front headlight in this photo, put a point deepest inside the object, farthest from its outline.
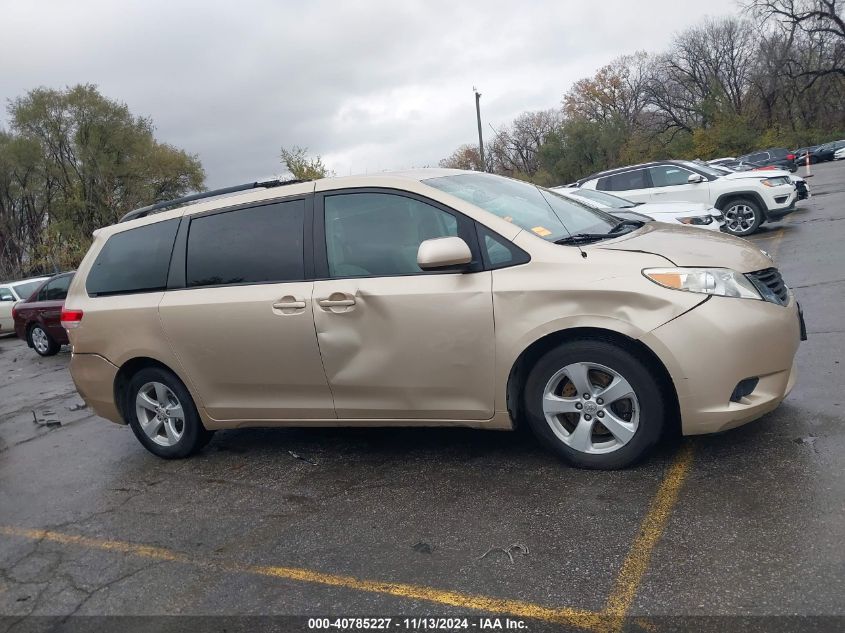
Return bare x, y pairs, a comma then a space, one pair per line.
696, 220
775, 182
722, 282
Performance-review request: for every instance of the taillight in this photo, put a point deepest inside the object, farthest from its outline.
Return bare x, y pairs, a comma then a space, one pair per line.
71, 318
790, 157
14, 312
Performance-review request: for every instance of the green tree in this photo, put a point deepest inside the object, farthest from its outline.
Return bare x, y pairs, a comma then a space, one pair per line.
297, 162
72, 162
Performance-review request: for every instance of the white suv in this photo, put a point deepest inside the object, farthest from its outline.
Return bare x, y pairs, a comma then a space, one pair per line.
747, 198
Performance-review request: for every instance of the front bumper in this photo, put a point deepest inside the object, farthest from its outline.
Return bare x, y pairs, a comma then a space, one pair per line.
725, 340
94, 378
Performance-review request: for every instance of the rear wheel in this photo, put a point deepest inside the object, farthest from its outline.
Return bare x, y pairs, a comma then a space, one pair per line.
742, 217
594, 404
42, 342
162, 414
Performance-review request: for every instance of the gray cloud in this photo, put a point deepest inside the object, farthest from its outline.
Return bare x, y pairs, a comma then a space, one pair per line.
369, 85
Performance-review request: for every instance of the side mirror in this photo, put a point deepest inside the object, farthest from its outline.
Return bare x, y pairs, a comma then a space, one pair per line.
695, 179
7, 298
442, 252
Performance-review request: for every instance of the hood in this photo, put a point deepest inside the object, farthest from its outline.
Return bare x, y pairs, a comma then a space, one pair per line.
690, 246
766, 173
674, 207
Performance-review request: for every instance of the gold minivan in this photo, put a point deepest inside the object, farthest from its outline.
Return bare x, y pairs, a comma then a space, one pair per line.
431, 297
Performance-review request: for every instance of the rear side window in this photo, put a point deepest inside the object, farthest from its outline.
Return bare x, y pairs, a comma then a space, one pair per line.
247, 246
56, 290
636, 179
136, 260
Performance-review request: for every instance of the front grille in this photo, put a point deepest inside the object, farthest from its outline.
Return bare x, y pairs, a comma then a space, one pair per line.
770, 284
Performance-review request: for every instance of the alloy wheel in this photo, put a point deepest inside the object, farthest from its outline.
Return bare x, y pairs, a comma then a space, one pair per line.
39, 340
160, 414
591, 408
739, 218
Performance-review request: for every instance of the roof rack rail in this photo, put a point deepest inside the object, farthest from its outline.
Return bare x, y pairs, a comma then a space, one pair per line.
159, 206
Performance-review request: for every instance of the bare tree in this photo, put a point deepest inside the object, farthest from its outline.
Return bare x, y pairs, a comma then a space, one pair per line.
708, 68
822, 24
617, 92
514, 149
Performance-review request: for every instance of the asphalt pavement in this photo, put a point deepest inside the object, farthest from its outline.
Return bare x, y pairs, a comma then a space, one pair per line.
746, 524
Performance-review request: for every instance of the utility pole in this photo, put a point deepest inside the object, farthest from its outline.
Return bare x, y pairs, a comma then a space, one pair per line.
480, 138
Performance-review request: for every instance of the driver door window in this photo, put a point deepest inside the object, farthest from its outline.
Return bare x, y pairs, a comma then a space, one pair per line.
6, 295
379, 234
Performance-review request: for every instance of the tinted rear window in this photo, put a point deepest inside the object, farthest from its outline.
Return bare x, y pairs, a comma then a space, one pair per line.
136, 260
255, 245
626, 181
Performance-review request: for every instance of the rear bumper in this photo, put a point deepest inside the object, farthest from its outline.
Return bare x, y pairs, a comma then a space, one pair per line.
94, 377
721, 342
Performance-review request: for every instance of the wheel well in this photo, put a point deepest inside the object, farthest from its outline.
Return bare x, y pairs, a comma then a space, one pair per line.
528, 358
726, 198
124, 375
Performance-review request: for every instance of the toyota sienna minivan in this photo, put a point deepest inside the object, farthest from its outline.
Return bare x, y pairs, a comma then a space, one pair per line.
432, 297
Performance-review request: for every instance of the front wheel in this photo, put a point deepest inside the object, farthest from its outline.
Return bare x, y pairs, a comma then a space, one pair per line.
742, 217
43, 343
162, 414
594, 404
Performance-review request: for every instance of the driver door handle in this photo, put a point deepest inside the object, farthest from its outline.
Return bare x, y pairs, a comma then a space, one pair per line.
336, 303
281, 305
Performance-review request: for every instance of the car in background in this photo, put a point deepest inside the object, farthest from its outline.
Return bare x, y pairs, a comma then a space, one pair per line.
802, 152
777, 157
689, 213
38, 319
826, 151
746, 198
11, 292
839, 154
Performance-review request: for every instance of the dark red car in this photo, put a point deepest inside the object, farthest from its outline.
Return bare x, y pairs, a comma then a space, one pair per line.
38, 318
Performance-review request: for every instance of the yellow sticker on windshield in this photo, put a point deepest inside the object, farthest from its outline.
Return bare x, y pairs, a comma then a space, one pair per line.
542, 231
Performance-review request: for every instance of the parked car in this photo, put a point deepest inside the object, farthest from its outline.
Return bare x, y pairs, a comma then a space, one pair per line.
777, 157
802, 152
825, 152
802, 189
37, 320
10, 293
689, 213
747, 198
428, 297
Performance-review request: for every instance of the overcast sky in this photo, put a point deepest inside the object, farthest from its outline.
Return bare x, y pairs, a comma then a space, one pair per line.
368, 85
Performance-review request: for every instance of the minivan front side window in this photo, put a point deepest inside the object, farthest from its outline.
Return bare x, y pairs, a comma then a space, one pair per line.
379, 234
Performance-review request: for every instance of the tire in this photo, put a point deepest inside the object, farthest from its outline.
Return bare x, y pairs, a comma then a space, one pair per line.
42, 342
167, 436
581, 438
742, 216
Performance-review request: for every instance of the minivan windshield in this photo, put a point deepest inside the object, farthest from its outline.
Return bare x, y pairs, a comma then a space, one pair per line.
541, 211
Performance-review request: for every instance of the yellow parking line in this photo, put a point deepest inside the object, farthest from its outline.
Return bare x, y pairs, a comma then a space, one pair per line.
611, 618
516, 608
651, 529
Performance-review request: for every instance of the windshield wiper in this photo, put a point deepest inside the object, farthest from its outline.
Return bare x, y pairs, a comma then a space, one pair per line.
634, 223
582, 238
